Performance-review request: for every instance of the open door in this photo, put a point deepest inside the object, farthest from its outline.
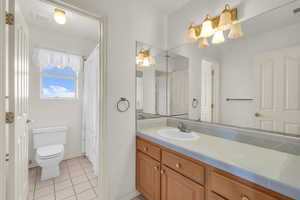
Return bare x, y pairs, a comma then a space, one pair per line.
17, 48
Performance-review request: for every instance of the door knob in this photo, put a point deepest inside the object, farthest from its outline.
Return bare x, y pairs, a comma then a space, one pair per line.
28, 121
257, 115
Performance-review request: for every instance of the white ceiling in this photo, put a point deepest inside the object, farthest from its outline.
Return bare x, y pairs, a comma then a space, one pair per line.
168, 6
40, 15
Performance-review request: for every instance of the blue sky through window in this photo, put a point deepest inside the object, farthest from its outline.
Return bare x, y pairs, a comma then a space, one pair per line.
58, 86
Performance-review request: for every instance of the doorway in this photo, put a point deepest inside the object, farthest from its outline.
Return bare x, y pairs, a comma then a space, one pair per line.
209, 91
16, 101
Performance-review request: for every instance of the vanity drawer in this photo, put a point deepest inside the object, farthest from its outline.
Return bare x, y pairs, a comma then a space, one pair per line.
186, 167
148, 149
234, 190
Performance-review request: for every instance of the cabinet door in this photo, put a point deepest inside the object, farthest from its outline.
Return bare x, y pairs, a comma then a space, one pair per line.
148, 176
178, 187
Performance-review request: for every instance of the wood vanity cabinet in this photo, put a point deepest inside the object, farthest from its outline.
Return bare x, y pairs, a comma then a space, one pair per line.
174, 186
148, 176
162, 174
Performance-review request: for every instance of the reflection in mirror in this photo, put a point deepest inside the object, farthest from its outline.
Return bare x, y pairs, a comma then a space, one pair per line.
252, 81
151, 81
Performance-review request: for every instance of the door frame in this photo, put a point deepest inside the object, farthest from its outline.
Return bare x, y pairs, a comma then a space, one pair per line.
3, 142
103, 184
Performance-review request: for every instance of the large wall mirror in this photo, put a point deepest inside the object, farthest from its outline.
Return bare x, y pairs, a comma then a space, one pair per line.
251, 82
151, 81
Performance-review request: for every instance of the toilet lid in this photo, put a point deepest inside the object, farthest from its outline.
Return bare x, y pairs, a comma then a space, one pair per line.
49, 151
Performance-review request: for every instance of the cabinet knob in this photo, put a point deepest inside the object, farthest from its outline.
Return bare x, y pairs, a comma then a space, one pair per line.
156, 168
178, 165
162, 171
145, 149
244, 197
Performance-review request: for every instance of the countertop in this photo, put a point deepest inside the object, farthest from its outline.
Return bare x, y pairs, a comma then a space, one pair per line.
277, 171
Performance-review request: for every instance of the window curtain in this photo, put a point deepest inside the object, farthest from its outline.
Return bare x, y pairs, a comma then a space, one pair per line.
90, 108
45, 58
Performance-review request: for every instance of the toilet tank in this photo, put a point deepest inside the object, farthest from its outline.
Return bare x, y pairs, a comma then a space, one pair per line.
49, 136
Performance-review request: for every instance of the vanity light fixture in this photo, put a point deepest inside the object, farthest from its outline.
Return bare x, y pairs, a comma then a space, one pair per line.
235, 31
60, 16
143, 59
216, 26
193, 34
225, 21
218, 37
203, 43
207, 28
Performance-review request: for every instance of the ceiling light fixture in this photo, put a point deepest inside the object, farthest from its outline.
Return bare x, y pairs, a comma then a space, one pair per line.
60, 16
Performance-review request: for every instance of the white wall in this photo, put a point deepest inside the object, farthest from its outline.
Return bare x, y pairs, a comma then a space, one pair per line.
195, 11
128, 21
47, 113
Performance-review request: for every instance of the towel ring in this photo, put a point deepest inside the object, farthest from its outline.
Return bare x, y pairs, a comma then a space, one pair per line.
123, 104
195, 103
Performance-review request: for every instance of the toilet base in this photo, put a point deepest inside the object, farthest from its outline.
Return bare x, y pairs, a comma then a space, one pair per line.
49, 172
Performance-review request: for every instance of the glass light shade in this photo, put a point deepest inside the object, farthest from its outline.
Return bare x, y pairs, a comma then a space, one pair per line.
203, 43
218, 37
235, 31
60, 16
207, 28
191, 36
225, 19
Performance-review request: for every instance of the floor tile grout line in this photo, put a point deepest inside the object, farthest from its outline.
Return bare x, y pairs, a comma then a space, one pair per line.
71, 180
89, 180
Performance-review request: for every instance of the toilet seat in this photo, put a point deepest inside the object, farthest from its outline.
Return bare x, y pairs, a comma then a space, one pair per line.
48, 152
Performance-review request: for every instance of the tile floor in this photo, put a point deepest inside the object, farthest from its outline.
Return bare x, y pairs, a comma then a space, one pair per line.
77, 181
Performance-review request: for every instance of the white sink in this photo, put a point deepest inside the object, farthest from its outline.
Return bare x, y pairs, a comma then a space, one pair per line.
176, 134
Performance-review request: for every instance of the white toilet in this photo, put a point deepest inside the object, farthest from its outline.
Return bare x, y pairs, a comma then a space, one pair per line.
49, 146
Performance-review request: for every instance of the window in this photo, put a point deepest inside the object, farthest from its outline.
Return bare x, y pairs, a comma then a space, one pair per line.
59, 73
58, 82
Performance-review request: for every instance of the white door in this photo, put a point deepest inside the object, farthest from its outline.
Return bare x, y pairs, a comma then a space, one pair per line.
18, 59
278, 91
206, 91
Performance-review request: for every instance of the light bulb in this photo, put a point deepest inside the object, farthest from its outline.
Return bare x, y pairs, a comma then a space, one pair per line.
60, 16
207, 28
218, 37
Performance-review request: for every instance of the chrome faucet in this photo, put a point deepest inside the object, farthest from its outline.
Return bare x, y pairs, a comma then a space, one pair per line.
183, 128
